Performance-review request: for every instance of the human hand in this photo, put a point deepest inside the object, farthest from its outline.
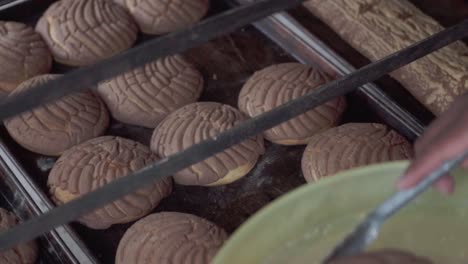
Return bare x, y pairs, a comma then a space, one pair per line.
445, 138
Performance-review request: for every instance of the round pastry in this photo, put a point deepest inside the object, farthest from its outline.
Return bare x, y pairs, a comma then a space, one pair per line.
352, 145
91, 165
281, 83
170, 238
164, 16
144, 96
25, 253
55, 127
387, 256
195, 123
82, 32
24, 54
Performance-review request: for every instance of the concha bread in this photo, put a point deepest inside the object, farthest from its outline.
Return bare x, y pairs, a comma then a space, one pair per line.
25, 253
146, 95
281, 83
352, 145
195, 123
170, 237
55, 127
93, 164
83, 32
386, 256
377, 28
23, 55
164, 16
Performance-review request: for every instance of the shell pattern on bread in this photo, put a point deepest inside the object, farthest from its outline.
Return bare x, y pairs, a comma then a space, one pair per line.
97, 162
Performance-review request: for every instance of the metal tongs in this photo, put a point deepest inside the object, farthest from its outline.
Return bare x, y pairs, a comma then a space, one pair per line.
367, 231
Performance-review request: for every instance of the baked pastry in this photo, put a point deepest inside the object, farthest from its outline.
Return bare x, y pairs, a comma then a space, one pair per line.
379, 28
352, 145
25, 253
170, 237
195, 123
55, 127
24, 54
83, 32
164, 16
386, 256
281, 83
145, 95
91, 165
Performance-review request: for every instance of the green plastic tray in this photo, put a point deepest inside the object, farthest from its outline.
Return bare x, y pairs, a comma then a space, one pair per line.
304, 225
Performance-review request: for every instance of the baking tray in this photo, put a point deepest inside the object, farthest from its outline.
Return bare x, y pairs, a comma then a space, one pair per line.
21, 196
277, 172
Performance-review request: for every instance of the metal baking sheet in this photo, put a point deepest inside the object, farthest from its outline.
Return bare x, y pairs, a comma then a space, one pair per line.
21, 196
277, 172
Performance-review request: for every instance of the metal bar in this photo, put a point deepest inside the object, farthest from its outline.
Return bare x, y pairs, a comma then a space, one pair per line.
89, 76
199, 152
4, 5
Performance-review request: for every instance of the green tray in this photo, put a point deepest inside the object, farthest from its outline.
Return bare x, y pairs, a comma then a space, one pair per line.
304, 225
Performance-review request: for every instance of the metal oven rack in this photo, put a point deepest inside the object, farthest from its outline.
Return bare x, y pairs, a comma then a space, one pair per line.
284, 31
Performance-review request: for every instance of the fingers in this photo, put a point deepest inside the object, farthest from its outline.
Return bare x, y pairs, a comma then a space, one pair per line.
446, 185
437, 129
444, 139
426, 162
416, 172
432, 131
465, 164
